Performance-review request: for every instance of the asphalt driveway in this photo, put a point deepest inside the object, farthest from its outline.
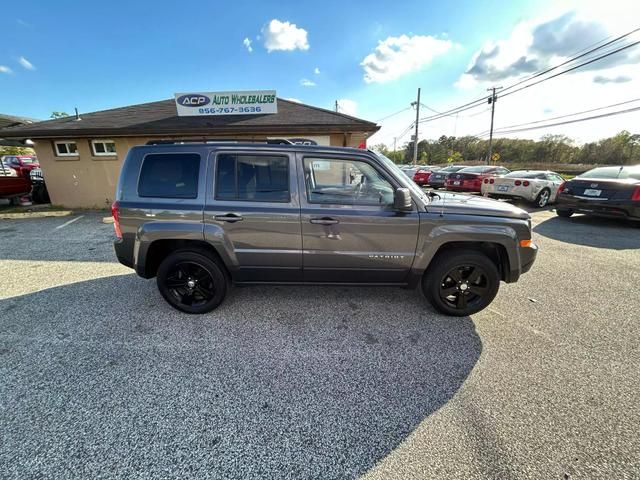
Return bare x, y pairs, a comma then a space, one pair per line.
101, 379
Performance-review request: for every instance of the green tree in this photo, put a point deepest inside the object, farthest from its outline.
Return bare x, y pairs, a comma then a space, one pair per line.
58, 115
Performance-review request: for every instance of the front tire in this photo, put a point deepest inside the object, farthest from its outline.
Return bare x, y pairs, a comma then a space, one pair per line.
191, 281
461, 282
564, 213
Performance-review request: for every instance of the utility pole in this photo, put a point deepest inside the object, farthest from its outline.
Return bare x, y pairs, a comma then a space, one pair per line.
415, 139
395, 139
492, 101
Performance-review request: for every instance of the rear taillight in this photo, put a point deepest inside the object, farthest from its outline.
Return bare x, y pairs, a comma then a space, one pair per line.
486, 180
517, 183
492, 180
525, 183
562, 187
636, 195
115, 213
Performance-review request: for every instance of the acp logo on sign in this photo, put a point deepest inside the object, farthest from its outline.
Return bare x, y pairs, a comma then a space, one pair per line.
193, 100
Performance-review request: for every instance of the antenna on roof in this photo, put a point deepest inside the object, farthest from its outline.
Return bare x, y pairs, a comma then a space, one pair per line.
77, 114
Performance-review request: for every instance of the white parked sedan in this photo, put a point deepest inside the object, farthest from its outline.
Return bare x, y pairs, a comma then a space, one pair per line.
535, 186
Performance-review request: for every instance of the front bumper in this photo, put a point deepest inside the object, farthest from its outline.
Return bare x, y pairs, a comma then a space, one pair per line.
623, 209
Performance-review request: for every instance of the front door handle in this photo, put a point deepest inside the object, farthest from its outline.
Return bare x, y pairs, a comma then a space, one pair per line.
324, 221
229, 217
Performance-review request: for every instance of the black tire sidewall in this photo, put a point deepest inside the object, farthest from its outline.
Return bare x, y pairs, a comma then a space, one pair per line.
447, 261
563, 212
219, 279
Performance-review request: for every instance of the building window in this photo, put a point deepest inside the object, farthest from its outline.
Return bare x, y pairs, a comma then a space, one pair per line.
252, 178
66, 149
103, 148
169, 175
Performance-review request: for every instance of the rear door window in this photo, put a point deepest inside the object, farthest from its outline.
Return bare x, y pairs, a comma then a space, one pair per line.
169, 175
253, 178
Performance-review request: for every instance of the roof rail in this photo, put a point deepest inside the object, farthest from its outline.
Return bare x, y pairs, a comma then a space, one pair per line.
271, 141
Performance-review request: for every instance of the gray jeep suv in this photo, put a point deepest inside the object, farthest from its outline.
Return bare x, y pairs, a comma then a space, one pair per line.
201, 216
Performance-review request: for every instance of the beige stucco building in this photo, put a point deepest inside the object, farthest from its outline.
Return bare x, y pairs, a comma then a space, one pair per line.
81, 157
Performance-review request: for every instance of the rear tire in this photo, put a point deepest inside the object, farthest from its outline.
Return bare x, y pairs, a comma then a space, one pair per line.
542, 200
191, 281
461, 282
564, 213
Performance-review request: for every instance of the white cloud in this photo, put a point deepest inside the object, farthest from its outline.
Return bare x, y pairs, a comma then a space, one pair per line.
534, 45
398, 56
284, 36
349, 107
26, 63
316, 71
247, 43
291, 99
305, 82
5, 69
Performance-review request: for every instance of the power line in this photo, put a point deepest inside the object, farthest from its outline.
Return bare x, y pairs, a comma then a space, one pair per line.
393, 114
577, 120
499, 129
580, 54
574, 67
574, 58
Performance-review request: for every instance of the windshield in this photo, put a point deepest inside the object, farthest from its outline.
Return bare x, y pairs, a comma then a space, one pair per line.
480, 169
613, 172
28, 160
402, 177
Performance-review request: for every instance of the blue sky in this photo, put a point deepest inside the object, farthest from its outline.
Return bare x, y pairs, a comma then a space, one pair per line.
98, 55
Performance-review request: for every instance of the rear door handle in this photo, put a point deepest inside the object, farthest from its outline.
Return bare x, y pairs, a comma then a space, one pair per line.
229, 217
324, 221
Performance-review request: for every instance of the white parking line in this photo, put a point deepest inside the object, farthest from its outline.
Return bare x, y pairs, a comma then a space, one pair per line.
68, 223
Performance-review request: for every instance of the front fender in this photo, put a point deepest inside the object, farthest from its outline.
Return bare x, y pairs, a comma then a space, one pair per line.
439, 231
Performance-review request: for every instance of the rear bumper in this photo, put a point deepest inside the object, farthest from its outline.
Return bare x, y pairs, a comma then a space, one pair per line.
508, 196
623, 209
463, 188
124, 251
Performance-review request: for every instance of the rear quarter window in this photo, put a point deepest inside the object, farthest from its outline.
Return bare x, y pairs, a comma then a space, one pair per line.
169, 175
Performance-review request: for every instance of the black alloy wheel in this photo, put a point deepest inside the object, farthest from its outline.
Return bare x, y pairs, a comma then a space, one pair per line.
461, 282
464, 286
191, 282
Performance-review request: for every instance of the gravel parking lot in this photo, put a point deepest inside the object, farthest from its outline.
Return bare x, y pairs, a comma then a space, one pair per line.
100, 378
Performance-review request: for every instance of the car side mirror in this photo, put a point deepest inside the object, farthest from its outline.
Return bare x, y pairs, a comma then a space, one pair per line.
402, 199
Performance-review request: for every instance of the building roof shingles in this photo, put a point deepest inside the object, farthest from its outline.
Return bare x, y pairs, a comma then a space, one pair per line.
158, 118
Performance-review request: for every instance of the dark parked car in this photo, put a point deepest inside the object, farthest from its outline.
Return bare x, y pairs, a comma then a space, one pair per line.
438, 179
605, 191
200, 216
470, 179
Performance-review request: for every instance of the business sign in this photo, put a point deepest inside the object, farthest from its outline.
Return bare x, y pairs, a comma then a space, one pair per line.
226, 103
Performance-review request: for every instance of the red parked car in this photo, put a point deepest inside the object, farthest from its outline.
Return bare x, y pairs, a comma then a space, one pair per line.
12, 183
23, 164
421, 177
470, 179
